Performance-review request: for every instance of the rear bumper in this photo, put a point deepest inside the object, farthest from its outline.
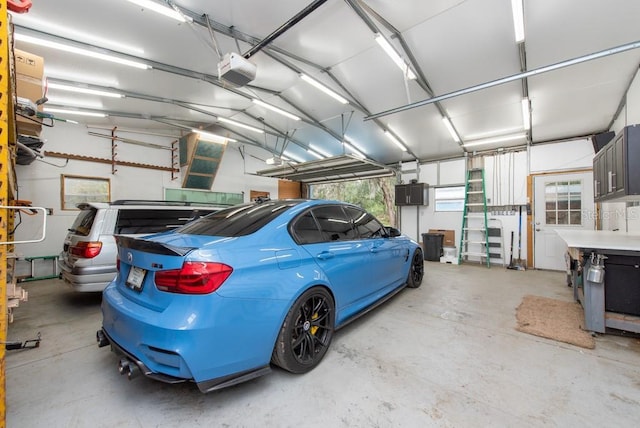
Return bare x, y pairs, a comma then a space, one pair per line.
210, 340
117, 349
204, 386
87, 279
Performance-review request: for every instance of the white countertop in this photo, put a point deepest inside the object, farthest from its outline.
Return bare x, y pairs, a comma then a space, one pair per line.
600, 239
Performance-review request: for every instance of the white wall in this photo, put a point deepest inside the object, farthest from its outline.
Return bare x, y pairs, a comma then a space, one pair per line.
505, 185
505, 177
236, 173
562, 156
40, 182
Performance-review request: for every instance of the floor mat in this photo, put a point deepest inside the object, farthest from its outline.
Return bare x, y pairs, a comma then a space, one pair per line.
553, 319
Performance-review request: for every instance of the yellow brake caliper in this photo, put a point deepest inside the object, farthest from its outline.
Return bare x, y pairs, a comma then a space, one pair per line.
314, 328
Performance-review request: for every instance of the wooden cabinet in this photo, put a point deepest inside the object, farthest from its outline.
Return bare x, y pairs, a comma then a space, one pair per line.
412, 194
616, 175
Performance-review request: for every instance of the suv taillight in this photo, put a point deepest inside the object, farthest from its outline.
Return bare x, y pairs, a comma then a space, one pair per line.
193, 278
86, 250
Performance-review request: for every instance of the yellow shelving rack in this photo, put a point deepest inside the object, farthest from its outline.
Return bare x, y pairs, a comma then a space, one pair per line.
7, 188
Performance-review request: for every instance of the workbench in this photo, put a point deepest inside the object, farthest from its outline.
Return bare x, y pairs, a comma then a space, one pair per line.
591, 295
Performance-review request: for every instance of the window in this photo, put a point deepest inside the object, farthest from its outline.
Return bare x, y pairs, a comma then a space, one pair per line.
239, 220
563, 202
76, 189
366, 225
193, 195
84, 221
134, 221
449, 198
306, 230
334, 223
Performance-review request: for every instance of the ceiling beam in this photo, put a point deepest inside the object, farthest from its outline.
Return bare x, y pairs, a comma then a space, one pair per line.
540, 70
284, 27
363, 11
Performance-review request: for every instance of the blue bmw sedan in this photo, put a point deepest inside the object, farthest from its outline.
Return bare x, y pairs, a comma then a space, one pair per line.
222, 299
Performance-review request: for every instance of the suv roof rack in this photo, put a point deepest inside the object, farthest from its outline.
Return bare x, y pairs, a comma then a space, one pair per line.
165, 203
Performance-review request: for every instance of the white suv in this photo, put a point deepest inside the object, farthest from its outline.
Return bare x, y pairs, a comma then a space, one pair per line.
88, 259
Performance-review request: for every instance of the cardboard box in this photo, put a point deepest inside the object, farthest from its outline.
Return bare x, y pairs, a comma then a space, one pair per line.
29, 72
449, 239
28, 64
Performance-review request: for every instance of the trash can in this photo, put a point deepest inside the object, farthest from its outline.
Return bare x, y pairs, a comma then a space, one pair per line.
432, 246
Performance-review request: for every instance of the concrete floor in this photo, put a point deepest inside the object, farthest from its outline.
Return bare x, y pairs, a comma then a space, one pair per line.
444, 355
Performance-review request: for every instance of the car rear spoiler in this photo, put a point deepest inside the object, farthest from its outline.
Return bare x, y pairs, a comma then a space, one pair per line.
151, 246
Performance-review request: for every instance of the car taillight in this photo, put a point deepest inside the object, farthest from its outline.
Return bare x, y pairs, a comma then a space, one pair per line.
86, 250
118, 264
193, 278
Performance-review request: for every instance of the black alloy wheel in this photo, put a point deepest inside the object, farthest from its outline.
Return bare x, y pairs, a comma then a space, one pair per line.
306, 332
416, 270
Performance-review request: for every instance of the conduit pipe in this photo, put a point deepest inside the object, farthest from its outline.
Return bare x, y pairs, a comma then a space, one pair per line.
540, 70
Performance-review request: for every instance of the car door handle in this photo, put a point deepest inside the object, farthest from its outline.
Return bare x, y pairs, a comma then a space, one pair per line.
325, 255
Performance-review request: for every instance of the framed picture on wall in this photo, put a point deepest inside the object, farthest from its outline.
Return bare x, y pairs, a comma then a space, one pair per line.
75, 189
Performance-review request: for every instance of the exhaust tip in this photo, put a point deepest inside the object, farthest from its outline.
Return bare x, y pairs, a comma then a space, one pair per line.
132, 372
126, 367
102, 339
123, 366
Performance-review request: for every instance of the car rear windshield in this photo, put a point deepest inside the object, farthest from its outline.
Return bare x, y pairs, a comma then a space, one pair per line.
136, 221
239, 220
83, 222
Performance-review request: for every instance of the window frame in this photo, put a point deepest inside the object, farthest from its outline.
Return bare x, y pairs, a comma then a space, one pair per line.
77, 189
559, 211
437, 200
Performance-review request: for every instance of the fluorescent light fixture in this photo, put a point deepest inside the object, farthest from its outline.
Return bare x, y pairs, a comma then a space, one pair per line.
241, 125
72, 102
518, 19
395, 56
214, 138
276, 109
162, 10
526, 118
449, 126
71, 33
314, 154
72, 75
79, 51
395, 140
324, 89
75, 112
294, 157
81, 90
493, 140
319, 150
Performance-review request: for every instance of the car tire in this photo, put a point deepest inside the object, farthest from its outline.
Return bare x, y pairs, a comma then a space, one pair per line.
306, 332
416, 270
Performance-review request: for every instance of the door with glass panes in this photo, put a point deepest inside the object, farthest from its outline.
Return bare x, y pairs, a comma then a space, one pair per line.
560, 201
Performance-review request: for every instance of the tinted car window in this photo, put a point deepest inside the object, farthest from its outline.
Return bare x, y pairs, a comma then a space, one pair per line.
334, 223
366, 225
153, 221
239, 220
305, 230
83, 222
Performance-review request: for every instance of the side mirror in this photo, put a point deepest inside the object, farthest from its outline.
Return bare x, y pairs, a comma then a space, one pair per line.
392, 232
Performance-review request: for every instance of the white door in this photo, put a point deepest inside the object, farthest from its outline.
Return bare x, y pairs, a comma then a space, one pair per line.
560, 201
